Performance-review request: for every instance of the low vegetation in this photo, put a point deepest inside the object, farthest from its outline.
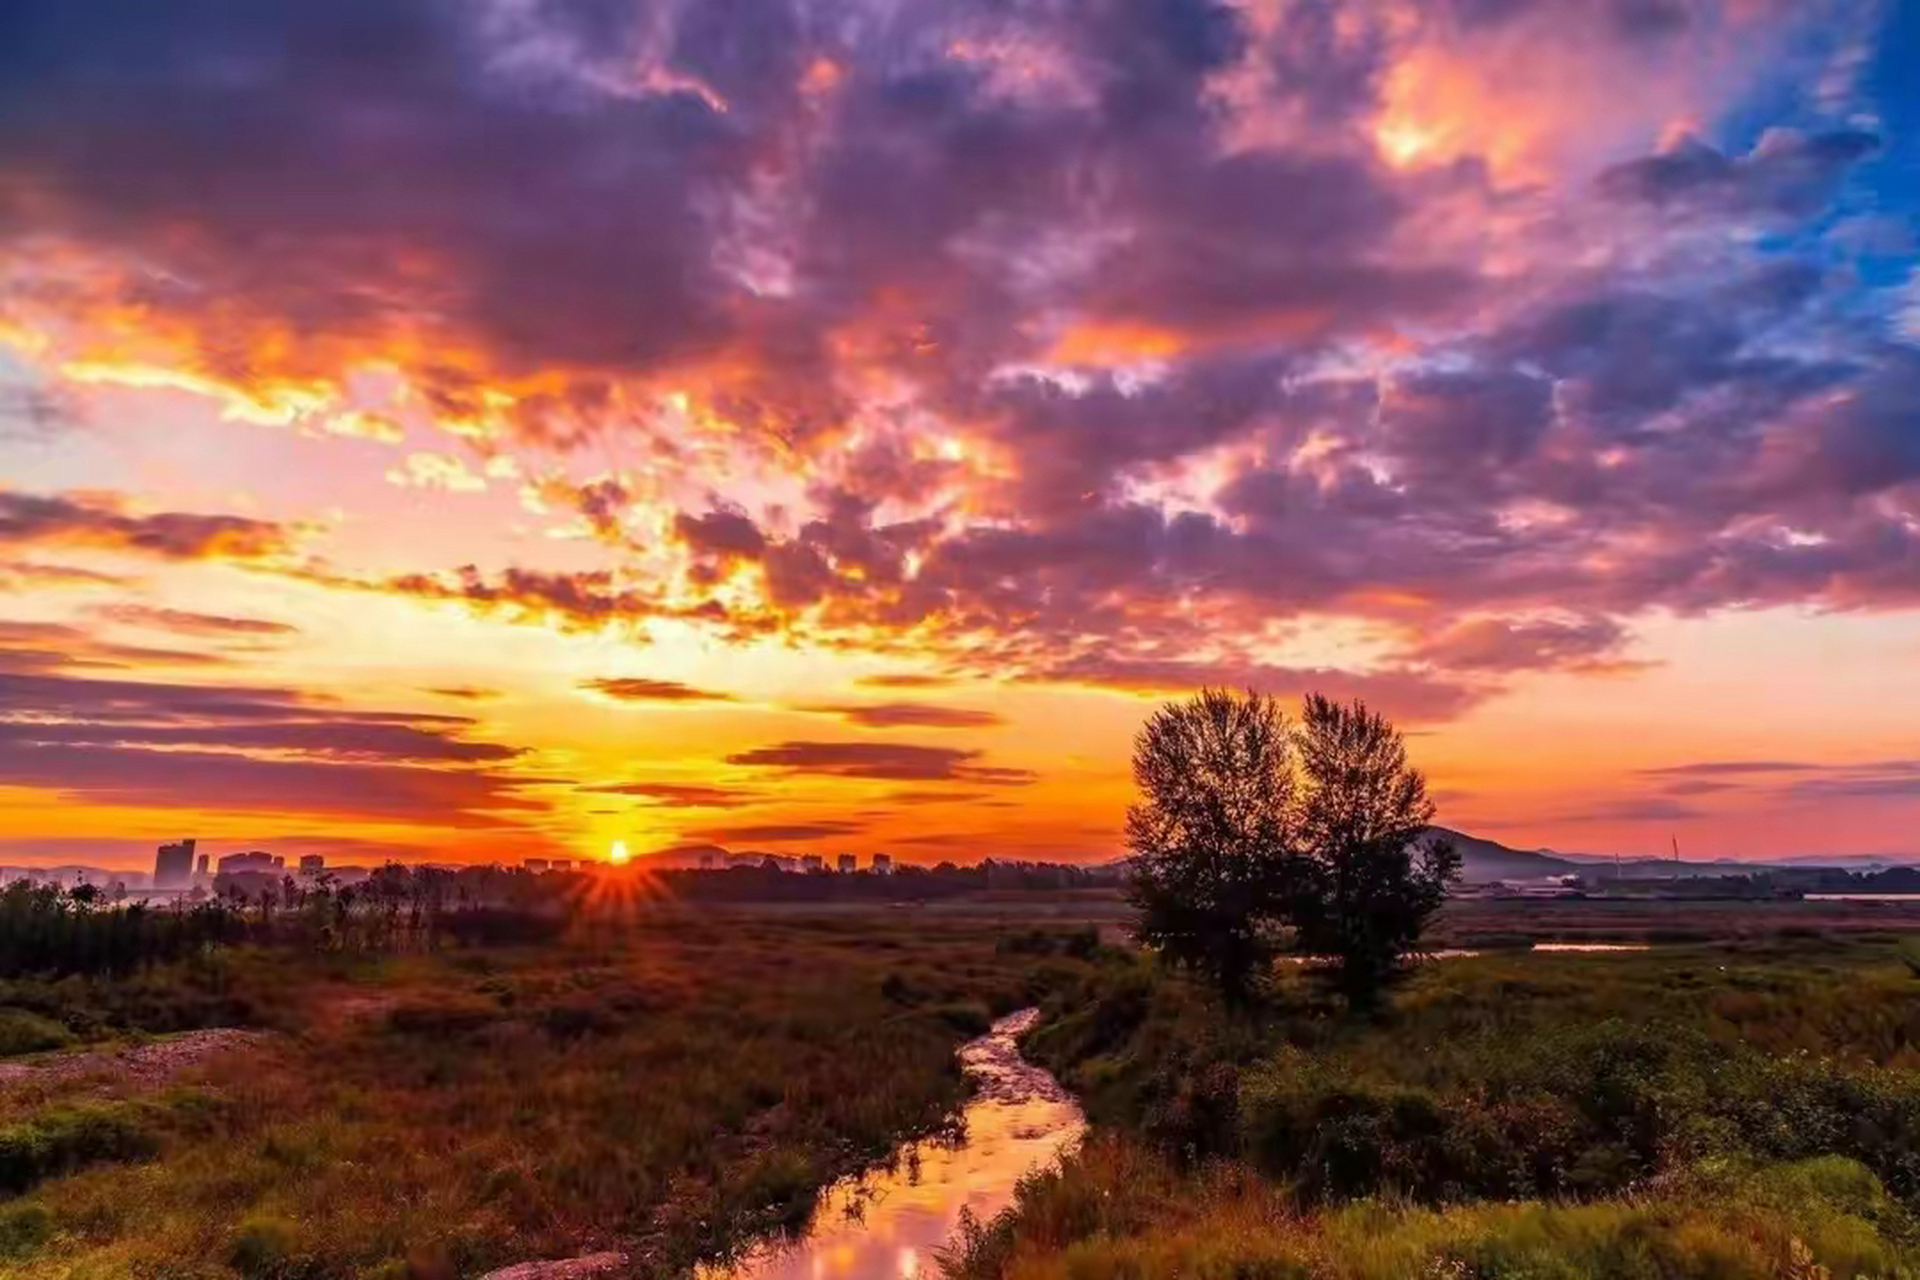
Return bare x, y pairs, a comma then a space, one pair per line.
669, 1086
1121, 1210
1711, 1111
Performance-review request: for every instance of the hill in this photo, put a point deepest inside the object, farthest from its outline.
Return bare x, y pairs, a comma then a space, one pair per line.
1484, 860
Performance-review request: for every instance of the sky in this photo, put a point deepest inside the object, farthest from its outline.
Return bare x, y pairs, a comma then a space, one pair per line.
477, 429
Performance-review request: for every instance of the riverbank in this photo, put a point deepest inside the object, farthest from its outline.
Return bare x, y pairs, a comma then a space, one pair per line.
1687, 1111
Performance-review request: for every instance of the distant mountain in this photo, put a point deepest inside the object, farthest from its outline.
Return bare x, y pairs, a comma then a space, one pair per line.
1484, 860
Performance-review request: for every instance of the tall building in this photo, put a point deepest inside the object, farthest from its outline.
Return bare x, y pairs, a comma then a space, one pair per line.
173, 865
849, 863
883, 864
312, 864
535, 865
812, 862
252, 860
200, 868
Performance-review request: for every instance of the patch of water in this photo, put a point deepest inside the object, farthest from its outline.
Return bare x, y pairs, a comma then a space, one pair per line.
1464, 953
889, 1224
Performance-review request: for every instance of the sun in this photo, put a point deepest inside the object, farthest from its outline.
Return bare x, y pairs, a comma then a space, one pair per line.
618, 855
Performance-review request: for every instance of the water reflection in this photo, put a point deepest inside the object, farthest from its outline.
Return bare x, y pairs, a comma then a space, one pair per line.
1590, 946
890, 1224
1465, 953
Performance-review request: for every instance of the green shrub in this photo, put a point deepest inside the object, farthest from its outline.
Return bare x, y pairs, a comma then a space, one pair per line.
265, 1247
62, 1139
23, 1229
968, 1017
25, 1032
782, 1184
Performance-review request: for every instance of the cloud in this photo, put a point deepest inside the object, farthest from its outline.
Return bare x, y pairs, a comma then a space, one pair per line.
195, 624
680, 795
885, 715
906, 680
641, 689
1864, 780
1406, 695
1504, 645
1795, 780
105, 522
589, 598
1085, 343
728, 534
323, 738
775, 832
1787, 174
932, 797
464, 692
52, 646
552, 223
1640, 809
1715, 768
247, 749
27, 575
886, 761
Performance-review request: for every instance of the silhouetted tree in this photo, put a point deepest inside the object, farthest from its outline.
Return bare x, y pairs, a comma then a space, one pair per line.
1209, 835
1365, 883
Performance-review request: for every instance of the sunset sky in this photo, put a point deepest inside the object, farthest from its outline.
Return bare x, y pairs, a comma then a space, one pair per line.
487, 428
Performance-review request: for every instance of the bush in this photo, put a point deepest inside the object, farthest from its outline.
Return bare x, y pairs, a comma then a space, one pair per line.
63, 1139
968, 1017
23, 1229
24, 1032
265, 1247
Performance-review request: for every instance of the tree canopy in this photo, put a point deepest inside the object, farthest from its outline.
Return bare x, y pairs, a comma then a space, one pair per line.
1252, 834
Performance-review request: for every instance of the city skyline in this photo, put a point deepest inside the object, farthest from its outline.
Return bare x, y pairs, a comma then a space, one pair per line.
471, 434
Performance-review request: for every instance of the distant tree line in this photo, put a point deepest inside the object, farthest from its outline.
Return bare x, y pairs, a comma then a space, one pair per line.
905, 883
46, 929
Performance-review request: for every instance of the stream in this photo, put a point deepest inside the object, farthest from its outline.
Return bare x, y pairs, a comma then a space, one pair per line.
888, 1223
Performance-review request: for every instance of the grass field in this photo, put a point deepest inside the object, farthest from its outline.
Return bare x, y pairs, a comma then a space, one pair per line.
676, 1084
668, 1089
1463, 922
1737, 1110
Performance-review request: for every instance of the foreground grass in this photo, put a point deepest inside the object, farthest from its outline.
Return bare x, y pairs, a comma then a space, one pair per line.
667, 1090
1707, 1111
1118, 1210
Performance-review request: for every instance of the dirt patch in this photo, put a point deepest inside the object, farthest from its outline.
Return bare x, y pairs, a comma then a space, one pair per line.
144, 1066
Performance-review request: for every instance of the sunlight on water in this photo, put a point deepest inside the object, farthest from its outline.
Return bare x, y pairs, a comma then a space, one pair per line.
891, 1224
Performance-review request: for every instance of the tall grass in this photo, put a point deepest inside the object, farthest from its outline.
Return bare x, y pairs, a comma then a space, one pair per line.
1692, 1112
1118, 1209
667, 1092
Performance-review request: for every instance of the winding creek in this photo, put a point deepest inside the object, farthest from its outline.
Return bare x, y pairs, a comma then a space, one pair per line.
888, 1224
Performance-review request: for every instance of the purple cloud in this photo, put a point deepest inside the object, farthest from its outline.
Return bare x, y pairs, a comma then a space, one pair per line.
886, 761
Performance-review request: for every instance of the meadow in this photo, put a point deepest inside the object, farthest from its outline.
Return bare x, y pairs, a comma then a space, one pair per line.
669, 1087
1742, 1109
678, 1081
